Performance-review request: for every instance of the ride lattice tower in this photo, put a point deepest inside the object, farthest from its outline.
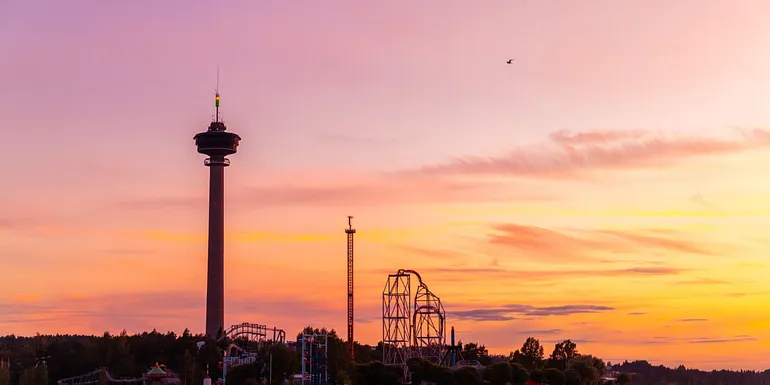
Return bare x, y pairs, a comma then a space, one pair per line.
217, 143
314, 357
408, 331
350, 231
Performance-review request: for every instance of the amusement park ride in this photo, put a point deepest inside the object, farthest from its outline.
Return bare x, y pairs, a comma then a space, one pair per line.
413, 326
246, 340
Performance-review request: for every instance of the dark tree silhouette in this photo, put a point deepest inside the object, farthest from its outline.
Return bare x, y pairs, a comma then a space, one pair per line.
562, 353
131, 355
624, 379
531, 355
554, 376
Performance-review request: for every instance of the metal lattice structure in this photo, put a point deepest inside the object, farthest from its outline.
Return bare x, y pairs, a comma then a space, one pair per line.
99, 377
428, 322
407, 331
250, 337
350, 231
314, 359
247, 339
396, 315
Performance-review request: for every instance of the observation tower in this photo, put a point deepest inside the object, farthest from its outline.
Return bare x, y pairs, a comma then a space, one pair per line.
217, 143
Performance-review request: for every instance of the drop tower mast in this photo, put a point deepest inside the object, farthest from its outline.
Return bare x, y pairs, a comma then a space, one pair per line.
350, 231
217, 143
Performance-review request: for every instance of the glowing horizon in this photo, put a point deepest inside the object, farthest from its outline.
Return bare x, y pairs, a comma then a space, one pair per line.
607, 187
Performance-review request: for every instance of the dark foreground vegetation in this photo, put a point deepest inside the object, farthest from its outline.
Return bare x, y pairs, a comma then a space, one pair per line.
42, 360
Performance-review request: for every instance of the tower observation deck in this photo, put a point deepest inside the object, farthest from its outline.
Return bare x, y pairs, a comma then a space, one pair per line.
217, 143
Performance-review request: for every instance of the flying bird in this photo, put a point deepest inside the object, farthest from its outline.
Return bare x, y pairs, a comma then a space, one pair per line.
510, 61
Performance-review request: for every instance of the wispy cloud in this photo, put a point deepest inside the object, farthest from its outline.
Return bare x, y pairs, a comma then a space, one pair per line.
465, 274
691, 320
568, 155
549, 244
636, 313
595, 137
723, 340
658, 242
540, 332
574, 154
663, 340
512, 311
704, 281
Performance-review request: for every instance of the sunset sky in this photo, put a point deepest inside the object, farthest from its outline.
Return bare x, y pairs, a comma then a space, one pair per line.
610, 186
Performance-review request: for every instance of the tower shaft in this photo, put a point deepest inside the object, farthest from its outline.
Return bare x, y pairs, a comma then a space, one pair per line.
215, 287
350, 231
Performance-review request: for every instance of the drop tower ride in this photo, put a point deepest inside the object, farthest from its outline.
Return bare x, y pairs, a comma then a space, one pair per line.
217, 143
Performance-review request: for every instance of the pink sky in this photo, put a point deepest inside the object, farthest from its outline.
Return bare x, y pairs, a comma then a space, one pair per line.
616, 168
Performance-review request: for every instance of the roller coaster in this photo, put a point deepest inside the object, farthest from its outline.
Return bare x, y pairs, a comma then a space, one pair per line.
246, 340
99, 376
411, 326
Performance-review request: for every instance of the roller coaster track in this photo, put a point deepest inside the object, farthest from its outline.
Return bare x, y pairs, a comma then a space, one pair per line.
412, 326
96, 377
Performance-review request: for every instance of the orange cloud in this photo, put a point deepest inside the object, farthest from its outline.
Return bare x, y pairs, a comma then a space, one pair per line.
476, 274
544, 243
658, 242
538, 243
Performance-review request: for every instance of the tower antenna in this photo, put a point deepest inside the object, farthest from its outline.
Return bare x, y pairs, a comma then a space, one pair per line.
216, 98
350, 231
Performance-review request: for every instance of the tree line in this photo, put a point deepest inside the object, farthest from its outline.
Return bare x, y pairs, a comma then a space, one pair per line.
45, 359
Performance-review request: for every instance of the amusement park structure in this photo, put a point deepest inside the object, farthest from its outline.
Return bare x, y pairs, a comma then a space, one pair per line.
350, 231
411, 326
99, 376
314, 359
157, 375
249, 337
246, 340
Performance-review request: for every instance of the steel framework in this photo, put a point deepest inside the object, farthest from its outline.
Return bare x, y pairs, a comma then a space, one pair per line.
396, 312
250, 337
407, 331
247, 338
428, 321
314, 357
350, 231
